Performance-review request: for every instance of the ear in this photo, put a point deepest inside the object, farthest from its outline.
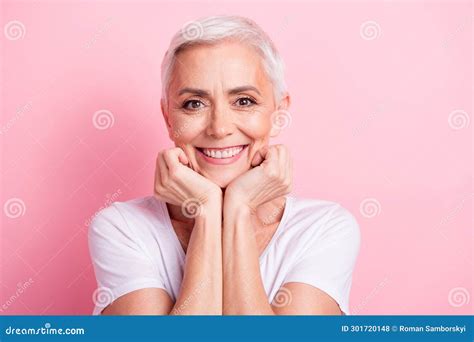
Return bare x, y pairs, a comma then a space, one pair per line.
281, 116
164, 111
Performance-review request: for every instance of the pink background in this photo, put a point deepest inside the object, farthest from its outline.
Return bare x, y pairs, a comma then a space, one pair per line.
382, 115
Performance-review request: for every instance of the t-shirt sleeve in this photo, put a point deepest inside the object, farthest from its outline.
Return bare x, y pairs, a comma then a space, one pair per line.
329, 260
120, 263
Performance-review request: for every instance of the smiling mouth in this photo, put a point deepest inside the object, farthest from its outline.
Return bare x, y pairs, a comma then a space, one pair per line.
222, 153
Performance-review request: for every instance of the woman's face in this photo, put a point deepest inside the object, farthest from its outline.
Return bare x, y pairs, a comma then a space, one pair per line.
219, 110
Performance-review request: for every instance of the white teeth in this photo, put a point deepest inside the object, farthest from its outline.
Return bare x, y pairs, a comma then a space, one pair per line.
220, 154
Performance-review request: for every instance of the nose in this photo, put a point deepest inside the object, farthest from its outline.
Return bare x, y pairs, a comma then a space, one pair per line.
221, 124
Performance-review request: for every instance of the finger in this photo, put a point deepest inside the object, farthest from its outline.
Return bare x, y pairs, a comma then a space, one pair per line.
270, 154
183, 158
287, 163
174, 157
284, 162
277, 162
283, 159
288, 171
289, 166
163, 169
259, 157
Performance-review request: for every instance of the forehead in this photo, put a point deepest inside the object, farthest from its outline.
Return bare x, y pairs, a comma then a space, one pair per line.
228, 64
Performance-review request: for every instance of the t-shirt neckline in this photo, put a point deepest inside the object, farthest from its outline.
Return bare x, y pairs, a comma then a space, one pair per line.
181, 251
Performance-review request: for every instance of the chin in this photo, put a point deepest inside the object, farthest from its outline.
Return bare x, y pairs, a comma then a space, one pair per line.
222, 178
222, 181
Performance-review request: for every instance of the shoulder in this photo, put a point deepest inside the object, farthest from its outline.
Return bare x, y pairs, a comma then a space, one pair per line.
119, 216
320, 220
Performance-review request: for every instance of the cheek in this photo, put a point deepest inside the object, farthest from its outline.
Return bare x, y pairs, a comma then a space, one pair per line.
257, 127
185, 128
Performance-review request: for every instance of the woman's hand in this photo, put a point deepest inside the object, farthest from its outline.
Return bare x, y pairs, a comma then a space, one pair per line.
199, 198
240, 252
178, 184
269, 179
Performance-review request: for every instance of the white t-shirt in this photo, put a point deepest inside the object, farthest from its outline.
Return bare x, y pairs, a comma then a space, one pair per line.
134, 246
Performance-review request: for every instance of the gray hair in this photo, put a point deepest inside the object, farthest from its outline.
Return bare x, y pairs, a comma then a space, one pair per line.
214, 29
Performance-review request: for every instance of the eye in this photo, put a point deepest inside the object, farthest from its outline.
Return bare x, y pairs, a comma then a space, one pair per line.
245, 102
193, 105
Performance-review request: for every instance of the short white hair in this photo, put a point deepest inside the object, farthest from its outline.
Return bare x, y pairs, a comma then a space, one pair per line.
215, 29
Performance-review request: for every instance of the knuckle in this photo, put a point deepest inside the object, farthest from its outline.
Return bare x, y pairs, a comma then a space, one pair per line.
169, 152
272, 148
158, 159
165, 181
175, 172
158, 190
272, 173
175, 150
172, 170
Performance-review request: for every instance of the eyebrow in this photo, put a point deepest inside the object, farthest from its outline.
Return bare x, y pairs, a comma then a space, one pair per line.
195, 91
204, 93
242, 89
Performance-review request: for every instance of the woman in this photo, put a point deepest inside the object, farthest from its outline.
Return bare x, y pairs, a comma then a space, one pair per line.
221, 235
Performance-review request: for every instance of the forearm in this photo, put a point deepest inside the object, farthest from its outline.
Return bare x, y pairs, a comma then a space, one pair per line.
201, 288
244, 293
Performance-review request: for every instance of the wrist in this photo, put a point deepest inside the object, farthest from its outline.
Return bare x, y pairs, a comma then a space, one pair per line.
212, 206
237, 205
236, 201
237, 220
212, 196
